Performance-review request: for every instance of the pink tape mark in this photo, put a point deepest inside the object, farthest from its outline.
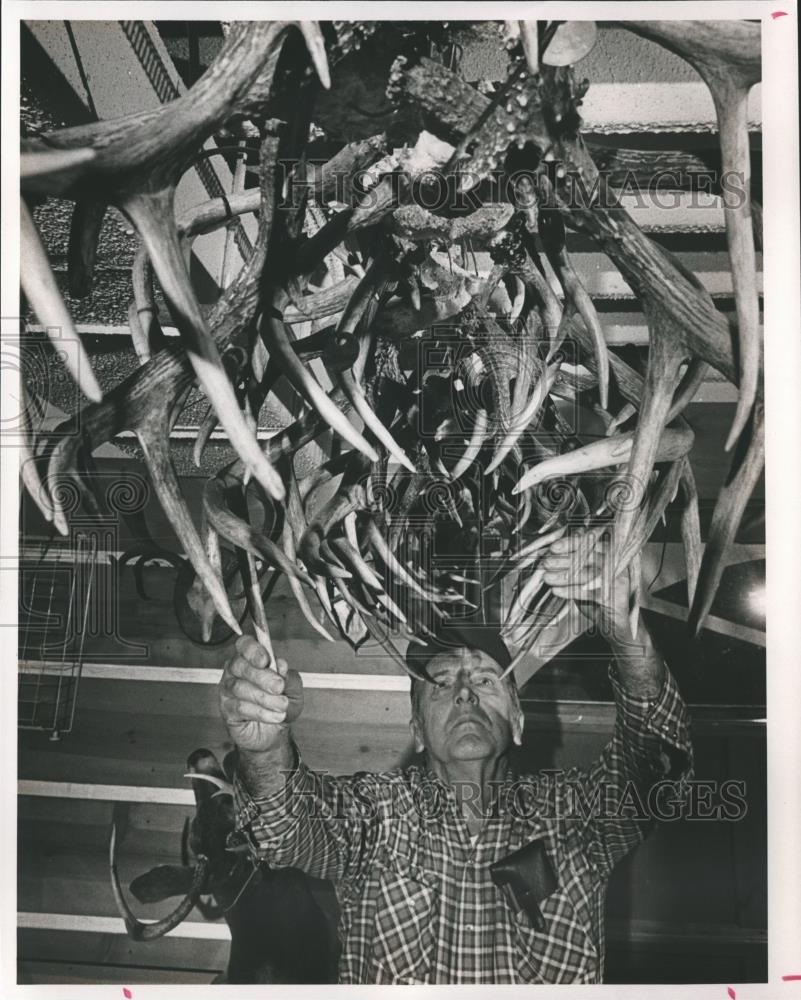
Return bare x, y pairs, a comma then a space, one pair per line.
778, 13
126, 993
731, 992
790, 979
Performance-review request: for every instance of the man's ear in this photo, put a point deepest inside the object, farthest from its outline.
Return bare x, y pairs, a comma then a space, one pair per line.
417, 736
518, 723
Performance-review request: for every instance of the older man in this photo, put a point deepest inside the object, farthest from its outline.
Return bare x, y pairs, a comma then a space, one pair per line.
420, 856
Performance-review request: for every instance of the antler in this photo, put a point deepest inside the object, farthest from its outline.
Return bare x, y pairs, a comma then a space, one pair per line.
412, 434
727, 55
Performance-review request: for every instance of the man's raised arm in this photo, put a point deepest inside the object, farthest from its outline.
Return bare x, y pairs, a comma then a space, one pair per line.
294, 816
649, 757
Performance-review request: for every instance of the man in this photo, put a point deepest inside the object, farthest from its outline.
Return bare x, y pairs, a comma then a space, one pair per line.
411, 851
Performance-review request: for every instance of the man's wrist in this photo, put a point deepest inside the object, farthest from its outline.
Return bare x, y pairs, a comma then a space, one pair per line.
263, 772
640, 667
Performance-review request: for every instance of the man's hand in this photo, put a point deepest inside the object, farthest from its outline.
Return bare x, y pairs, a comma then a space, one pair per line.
256, 703
578, 567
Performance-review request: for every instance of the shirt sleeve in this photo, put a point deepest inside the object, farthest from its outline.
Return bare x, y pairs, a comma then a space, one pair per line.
644, 768
326, 826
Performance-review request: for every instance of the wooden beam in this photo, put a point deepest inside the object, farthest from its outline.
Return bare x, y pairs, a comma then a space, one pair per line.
208, 675
27, 920
86, 791
630, 107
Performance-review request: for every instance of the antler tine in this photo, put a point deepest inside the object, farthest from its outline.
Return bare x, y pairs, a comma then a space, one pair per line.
747, 464
288, 542
149, 932
44, 297
673, 443
203, 606
87, 221
161, 240
371, 284
156, 449
280, 347
49, 171
552, 234
690, 527
522, 420
727, 55
27, 460
648, 517
237, 531
665, 355
315, 43
143, 313
478, 436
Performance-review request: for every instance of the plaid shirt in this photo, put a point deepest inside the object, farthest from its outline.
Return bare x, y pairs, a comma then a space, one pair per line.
417, 902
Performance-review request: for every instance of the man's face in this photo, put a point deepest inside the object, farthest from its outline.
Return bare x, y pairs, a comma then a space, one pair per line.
468, 712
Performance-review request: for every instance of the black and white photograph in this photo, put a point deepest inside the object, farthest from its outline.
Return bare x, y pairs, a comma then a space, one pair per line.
399, 588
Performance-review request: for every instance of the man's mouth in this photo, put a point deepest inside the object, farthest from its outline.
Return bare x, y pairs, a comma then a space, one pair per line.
476, 720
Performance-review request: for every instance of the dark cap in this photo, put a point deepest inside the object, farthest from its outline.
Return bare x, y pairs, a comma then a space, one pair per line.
450, 636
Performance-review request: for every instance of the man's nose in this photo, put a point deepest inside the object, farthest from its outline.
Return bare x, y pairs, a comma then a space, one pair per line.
464, 692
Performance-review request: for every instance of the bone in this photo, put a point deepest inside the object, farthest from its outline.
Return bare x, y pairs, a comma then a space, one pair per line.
223, 786
350, 497
316, 46
519, 300
523, 557
358, 401
256, 605
288, 542
49, 171
553, 611
625, 414
517, 612
148, 214
648, 517
606, 452
397, 569
635, 594
306, 385
530, 42
689, 385
87, 220
552, 234
151, 931
747, 464
237, 531
665, 356
413, 222
728, 57
155, 446
520, 422
27, 462
478, 435
143, 315
690, 528
44, 297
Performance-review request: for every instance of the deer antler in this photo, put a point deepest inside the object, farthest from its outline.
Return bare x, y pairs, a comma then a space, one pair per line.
727, 55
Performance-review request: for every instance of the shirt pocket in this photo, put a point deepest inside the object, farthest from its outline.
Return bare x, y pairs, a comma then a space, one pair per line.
564, 952
405, 932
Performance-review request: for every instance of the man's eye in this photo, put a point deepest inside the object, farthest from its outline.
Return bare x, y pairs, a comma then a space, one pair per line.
486, 680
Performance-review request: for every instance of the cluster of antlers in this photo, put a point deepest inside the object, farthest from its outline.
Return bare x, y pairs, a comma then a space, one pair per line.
447, 386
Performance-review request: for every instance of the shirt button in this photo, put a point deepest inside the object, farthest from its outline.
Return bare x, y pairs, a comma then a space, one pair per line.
469, 927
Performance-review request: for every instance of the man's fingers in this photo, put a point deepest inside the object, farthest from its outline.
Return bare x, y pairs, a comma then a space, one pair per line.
281, 667
267, 680
247, 711
243, 690
256, 654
